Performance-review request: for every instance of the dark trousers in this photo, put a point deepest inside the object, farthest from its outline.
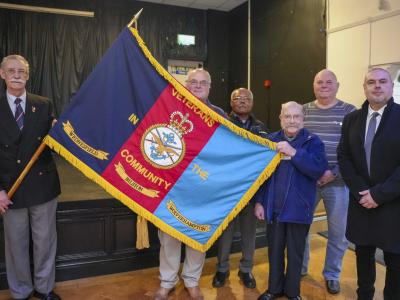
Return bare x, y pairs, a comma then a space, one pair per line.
247, 222
366, 273
291, 236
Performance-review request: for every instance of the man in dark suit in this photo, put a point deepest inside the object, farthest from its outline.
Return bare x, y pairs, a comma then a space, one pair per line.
369, 159
24, 120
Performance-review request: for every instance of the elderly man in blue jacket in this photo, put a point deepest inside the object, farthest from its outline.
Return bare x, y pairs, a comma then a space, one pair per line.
287, 201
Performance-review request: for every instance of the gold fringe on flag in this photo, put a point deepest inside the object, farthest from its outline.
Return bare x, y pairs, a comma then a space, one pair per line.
142, 233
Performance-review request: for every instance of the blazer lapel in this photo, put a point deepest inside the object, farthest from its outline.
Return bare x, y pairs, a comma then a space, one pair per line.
7, 119
362, 124
30, 116
384, 118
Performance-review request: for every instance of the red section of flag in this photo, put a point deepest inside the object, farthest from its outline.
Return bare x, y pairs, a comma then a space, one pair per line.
168, 138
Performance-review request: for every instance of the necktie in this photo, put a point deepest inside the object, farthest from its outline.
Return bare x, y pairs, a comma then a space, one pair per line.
19, 113
369, 138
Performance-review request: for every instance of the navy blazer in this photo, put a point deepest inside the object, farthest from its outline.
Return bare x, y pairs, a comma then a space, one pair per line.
17, 147
377, 226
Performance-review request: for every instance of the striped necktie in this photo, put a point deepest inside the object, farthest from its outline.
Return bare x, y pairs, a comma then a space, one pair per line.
19, 113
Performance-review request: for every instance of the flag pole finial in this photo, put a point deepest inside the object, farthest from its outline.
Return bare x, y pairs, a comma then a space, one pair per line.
135, 19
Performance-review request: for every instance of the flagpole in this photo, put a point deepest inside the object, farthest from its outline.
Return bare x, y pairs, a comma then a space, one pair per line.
27, 168
135, 19
142, 231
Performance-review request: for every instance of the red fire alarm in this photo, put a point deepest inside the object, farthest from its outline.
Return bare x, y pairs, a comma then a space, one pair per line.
267, 83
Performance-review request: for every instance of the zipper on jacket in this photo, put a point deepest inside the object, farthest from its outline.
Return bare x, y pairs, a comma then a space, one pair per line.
290, 179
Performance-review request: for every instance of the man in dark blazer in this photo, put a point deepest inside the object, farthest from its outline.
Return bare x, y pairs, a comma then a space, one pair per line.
369, 160
24, 120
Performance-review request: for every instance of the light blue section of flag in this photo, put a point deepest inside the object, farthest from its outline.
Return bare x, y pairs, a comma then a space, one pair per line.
233, 164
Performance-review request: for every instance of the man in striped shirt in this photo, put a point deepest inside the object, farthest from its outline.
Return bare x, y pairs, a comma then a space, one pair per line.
324, 117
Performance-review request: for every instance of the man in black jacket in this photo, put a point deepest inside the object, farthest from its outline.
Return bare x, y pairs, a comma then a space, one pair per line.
24, 120
369, 160
242, 104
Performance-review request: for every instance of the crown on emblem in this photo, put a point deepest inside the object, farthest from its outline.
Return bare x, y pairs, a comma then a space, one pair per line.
179, 123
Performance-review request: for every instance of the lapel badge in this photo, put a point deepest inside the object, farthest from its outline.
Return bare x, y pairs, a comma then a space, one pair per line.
33, 109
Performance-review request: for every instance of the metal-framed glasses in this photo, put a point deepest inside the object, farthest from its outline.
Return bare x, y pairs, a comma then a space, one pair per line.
13, 72
290, 118
202, 83
241, 98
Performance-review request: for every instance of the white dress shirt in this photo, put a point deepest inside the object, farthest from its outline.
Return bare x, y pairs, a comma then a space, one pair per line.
378, 118
11, 102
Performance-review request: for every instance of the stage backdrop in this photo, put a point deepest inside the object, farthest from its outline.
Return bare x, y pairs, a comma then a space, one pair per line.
144, 138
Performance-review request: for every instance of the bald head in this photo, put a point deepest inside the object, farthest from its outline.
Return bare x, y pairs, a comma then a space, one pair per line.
325, 87
326, 72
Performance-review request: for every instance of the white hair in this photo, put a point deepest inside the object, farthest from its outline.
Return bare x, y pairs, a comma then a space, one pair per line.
15, 57
294, 104
199, 70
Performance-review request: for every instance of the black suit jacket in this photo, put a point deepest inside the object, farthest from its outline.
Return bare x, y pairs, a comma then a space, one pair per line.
377, 226
17, 147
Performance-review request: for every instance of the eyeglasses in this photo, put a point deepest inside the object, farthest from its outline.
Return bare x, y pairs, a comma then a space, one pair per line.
292, 117
202, 83
20, 72
241, 98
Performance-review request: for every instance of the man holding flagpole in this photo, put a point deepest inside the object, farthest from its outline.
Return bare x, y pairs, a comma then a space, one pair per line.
24, 120
198, 82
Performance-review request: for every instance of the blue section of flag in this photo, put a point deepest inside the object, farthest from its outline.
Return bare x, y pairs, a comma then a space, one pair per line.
122, 84
233, 164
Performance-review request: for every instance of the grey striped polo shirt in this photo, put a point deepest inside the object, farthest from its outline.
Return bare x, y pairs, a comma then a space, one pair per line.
327, 124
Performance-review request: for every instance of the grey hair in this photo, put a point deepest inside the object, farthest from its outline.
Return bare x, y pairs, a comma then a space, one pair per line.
241, 89
199, 70
15, 57
377, 69
292, 103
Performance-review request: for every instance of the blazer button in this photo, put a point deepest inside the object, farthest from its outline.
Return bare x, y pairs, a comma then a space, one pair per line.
40, 173
6, 146
18, 161
39, 138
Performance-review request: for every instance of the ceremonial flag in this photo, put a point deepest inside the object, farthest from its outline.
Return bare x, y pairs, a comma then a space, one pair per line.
137, 132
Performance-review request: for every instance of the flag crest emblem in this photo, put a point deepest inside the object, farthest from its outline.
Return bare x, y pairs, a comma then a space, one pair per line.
163, 145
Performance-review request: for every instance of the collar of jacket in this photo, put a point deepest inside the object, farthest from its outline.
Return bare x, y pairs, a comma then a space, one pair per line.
303, 134
366, 103
233, 115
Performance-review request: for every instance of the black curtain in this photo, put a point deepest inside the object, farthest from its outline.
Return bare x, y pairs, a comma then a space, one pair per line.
62, 50
288, 48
